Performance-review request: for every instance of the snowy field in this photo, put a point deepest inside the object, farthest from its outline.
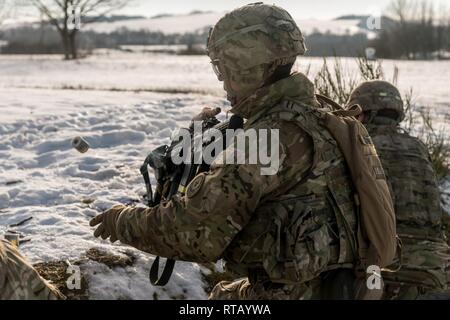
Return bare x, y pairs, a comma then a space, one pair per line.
124, 105
115, 70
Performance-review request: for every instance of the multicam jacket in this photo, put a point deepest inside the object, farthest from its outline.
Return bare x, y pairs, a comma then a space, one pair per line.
19, 280
294, 225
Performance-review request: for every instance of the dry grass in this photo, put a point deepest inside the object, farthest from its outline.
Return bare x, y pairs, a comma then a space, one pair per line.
56, 271
110, 260
335, 82
419, 122
370, 69
438, 146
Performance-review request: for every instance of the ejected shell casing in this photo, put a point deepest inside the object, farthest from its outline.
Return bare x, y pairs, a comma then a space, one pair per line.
80, 144
13, 238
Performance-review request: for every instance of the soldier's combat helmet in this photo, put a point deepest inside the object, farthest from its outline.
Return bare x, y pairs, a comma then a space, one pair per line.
380, 100
248, 44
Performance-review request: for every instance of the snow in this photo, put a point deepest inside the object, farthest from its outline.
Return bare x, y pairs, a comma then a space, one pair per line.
138, 71
124, 105
36, 129
160, 72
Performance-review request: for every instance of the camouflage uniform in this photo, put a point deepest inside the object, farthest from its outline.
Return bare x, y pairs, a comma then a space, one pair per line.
407, 164
283, 231
283, 234
19, 280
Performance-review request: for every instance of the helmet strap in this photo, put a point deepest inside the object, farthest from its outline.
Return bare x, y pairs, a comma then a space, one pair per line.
371, 115
384, 121
232, 96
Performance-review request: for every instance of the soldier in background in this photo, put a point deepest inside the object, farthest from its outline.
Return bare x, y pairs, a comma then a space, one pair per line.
416, 196
19, 280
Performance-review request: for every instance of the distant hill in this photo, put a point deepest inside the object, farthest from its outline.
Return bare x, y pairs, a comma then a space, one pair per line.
161, 15
344, 36
352, 17
200, 20
115, 18
194, 12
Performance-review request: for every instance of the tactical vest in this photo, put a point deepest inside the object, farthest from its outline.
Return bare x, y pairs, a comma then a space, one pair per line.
412, 181
316, 209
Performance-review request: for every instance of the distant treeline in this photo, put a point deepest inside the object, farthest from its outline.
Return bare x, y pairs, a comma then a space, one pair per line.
419, 30
45, 39
410, 30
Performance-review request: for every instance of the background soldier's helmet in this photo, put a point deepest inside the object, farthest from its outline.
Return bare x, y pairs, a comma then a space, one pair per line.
379, 99
249, 43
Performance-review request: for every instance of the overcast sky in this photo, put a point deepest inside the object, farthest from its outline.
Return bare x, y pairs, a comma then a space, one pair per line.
320, 9
300, 9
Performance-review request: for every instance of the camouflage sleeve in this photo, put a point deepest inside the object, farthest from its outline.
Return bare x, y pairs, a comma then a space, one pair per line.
19, 280
200, 225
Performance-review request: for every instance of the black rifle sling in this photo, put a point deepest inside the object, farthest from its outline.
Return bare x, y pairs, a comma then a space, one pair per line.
162, 280
148, 185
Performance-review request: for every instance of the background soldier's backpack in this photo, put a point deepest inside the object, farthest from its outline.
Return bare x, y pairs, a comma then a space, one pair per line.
377, 240
377, 235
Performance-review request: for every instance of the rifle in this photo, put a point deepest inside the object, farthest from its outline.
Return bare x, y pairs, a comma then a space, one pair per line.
173, 179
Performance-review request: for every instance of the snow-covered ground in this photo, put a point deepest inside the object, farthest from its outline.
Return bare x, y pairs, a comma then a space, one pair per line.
115, 70
123, 105
51, 182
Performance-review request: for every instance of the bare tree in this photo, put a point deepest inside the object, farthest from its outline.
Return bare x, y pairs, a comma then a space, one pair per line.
400, 9
3, 10
447, 32
68, 15
443, 32
419, 30
404, 12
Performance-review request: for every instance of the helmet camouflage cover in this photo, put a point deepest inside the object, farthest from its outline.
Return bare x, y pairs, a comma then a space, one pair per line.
374, 96
247, 44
